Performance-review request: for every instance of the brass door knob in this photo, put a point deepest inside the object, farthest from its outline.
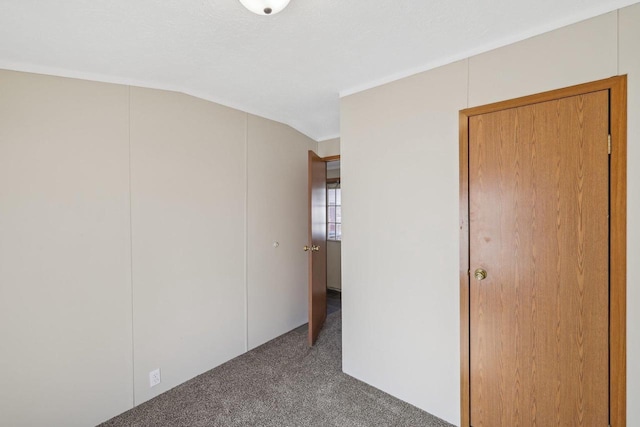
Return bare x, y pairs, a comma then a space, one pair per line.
306, 248
315, 248
480, 274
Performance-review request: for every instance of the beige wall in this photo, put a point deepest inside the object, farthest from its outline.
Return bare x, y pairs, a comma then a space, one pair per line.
65, 290
329, 147
278, 157
188, 181
125, 218
400, 239
414, 352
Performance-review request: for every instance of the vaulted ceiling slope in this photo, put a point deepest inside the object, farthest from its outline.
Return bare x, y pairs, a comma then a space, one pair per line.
291, 67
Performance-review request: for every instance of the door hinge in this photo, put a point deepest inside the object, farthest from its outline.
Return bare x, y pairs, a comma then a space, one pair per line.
609, 144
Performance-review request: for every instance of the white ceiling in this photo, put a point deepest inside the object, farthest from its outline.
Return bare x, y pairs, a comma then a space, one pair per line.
291, 67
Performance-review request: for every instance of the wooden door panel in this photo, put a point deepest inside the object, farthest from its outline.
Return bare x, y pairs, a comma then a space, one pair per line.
538, 224
317, 239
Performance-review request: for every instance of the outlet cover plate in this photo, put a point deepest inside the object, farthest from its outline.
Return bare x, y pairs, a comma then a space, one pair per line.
154, 377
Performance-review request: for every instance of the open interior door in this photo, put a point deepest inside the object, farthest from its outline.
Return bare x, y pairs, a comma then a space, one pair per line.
317, 249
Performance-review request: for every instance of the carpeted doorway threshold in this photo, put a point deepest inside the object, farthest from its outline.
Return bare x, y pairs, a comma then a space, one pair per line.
282, 383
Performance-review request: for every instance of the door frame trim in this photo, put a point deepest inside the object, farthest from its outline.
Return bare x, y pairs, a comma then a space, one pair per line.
617, 87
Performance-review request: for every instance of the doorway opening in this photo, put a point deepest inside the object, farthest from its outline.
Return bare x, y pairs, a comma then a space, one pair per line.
334, 237
323, 216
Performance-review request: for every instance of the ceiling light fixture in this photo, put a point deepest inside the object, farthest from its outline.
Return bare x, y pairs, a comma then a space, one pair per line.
265, 7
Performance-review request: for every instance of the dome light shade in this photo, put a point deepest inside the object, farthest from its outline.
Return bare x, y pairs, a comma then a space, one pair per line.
265, 7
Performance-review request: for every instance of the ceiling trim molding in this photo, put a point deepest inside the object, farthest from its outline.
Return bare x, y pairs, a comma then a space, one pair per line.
103, 78
587, 14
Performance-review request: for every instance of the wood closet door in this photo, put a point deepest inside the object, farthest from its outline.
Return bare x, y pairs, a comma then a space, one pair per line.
538, 226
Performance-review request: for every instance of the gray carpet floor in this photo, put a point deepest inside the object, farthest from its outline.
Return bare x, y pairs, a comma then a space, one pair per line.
282, 383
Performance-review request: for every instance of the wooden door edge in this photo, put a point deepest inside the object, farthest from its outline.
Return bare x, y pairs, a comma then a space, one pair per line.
465, 390
617, 87
618, 254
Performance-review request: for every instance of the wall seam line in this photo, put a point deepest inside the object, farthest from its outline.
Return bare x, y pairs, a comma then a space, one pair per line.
468, 78
246, 234
618, 41
133, 359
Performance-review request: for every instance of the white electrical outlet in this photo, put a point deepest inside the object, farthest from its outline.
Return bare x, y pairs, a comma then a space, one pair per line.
154, 377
